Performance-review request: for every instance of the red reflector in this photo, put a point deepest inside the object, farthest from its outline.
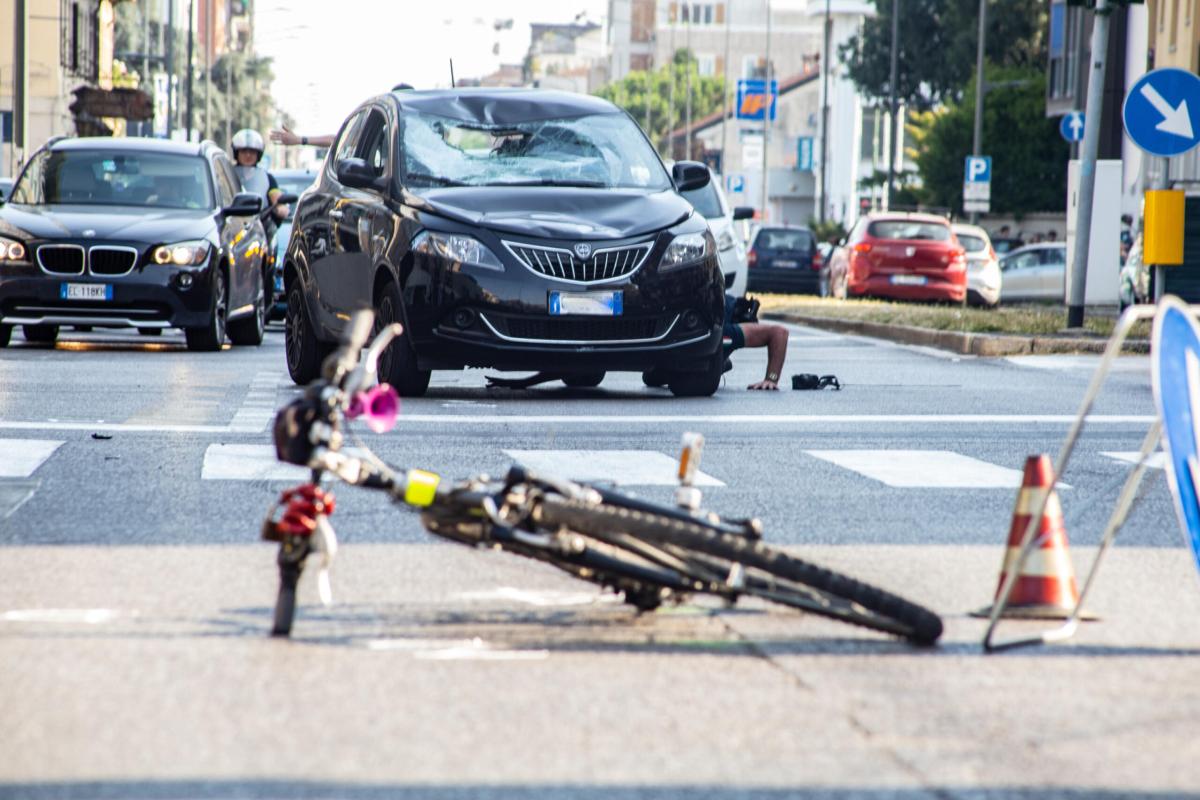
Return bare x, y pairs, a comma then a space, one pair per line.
862, 247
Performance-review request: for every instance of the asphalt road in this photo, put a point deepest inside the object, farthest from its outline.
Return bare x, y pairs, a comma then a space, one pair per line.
134, 476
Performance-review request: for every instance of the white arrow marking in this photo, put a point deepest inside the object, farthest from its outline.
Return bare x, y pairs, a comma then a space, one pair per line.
1075, 123
1176, 121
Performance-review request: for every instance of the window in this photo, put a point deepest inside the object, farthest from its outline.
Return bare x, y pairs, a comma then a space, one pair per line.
706, 201
116, 178
373, 143
706, 65
972, 244
344, 147
79, 37
909, 230
1027, 260
226, 182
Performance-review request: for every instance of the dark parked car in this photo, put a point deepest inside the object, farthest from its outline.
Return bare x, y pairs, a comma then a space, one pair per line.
783, 260
900, 256
135, 233
513, 229
292, 182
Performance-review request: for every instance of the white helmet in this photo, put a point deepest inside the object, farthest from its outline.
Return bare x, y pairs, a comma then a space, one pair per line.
247, 139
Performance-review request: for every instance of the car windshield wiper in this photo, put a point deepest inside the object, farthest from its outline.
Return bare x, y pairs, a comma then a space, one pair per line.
552, 182
434, 179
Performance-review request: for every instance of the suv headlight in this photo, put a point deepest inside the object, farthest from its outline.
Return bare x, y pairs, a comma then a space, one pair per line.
456, 247
686, 249
182, 254
11, 250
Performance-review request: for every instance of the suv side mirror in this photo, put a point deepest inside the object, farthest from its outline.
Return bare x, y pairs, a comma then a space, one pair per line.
286, 199
355, 173
743, 212
690, 175
245, 204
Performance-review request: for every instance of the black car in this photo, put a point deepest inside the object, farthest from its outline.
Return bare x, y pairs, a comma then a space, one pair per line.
133, 233
513, 229
291, 182
783, 259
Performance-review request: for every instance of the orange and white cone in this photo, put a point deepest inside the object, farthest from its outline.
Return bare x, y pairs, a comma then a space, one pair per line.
1045, 587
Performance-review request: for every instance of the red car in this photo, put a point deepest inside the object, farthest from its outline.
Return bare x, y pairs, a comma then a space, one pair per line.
900, 256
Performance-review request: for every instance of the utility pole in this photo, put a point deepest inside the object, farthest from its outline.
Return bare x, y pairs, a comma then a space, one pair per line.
825, 117
20, 82
208, 54
1087, 164
725, 95
892, 102
190, 58
687, 102
671, 92
980, 90
766, 175
170, 52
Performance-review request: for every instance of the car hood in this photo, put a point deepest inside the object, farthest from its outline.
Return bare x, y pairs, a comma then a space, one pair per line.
557, 212
146, 225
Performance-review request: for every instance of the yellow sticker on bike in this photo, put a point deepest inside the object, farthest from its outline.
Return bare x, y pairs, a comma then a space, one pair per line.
421, 487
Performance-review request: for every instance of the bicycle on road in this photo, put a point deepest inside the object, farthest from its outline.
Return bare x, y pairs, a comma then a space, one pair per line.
651, 553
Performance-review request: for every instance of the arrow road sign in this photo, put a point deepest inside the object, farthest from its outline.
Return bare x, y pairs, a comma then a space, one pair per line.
1071, 126
1159, 111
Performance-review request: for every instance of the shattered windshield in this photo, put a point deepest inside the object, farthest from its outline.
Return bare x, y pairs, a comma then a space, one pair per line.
599, 151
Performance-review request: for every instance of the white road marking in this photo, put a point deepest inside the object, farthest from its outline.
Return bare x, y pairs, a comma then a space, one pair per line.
624, 467
89, 616
258, 409
247, 462
546, 598
20, 458
1080, 361
456, 650
1156, 460
923, 469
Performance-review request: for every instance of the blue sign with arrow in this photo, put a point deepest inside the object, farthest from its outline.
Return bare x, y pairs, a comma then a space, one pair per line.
1071, 126
1160, 112
1175, 348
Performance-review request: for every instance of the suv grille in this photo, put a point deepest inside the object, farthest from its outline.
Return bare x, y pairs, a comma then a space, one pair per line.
61, 259
590, 330
111, 260
604, 265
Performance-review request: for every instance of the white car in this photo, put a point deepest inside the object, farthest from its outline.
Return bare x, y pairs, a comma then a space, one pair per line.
711, 204
1035, 272
983, 267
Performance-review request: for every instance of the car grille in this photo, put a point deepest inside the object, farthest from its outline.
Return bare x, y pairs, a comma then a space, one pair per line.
111, 260
603, 265
590, 330
61, 259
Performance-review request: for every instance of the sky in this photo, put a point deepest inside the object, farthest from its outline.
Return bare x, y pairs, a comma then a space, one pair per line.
326, 64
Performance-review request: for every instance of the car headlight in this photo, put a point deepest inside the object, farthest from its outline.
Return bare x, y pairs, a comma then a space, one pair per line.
11, 250
182, 254
457, 247
687, 249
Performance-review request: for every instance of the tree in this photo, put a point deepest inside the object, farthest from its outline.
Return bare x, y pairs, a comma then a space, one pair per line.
1029, 157
937, 42
642, 88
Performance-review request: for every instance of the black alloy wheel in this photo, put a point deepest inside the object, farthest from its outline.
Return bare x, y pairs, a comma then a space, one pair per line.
398, 363
5, 335
587, 380
300, 343
249, 330
40, 334
211, 337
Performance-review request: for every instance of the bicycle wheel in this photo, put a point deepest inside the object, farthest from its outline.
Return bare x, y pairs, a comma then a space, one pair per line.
766, 572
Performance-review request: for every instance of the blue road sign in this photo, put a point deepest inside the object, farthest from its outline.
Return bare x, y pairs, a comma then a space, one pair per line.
978, 169
1071, 126
735, 183
753, 98
804, 154
1162, 112
1175, 345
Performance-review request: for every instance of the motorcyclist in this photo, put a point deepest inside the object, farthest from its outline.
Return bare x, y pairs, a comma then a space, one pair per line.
247, 146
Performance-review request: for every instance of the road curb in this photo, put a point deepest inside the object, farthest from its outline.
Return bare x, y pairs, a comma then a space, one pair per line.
975, 344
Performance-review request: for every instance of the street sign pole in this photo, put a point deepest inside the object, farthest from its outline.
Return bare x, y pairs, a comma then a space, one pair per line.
980, 89
1087, 165
766, 176
1162, 180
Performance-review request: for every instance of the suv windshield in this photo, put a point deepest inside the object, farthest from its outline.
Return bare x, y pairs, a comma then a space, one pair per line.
598, 150
115, 178
705, 201
909, 229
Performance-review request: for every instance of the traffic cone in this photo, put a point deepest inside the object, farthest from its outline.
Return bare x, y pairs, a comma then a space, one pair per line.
1045, 588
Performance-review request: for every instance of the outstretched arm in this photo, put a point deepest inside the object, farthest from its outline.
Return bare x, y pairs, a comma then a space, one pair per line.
775, 339
285, 136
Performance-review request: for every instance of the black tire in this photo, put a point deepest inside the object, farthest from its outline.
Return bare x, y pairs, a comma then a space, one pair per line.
150, 331
5, 335
398, 363
211, 337
588, 380
655, 378
812, 588
248, 331
40, 334
301, 347
703, 383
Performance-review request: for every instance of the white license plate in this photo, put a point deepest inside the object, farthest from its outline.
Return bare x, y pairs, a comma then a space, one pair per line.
596, 304
908, 280
85, 291
779, 263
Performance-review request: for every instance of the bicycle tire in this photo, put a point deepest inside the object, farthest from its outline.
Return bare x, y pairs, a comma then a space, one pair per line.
285, 607
888, 613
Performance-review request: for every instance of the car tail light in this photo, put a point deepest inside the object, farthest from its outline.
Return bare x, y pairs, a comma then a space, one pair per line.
862, 247
817, 262
751, 258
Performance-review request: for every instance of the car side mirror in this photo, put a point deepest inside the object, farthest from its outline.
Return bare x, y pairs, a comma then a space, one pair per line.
690, 175
245, 204
286, 199
841, 243
743, 212
355, 173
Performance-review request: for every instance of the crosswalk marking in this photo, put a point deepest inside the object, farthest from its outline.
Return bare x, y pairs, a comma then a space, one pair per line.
258, 409
247, 462
923, 469
624, 467
20, 458
1156, 460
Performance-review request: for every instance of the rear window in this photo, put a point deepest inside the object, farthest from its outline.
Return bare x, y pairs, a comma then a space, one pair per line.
972, 244
798, 239
909, 229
